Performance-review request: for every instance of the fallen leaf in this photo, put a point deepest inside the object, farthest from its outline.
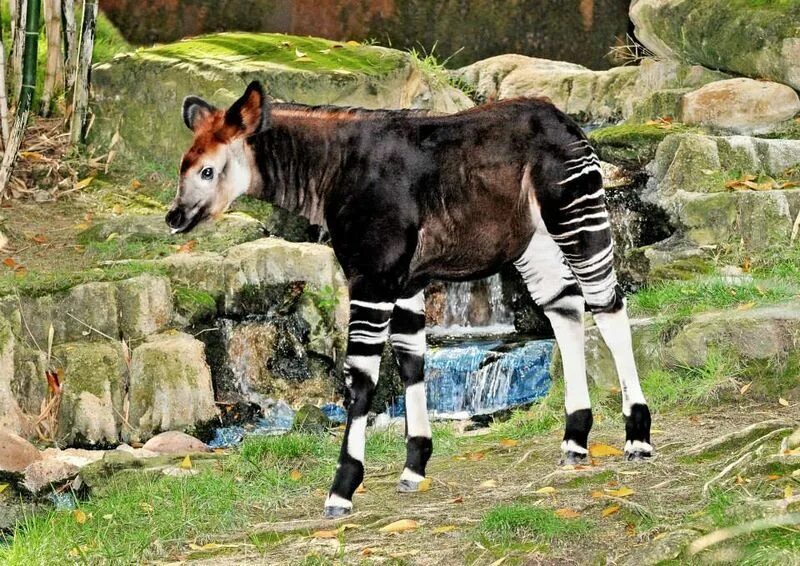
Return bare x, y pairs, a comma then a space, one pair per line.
10, 263
745, 388
39, 239
348, 526
459, 499
145, 506
499, 561
746, 306
630, 529
79, 516
361, 488
600, 450
444, 529
488, 483
567, 513
783, 401
621, 492
508, 443
3, 487
83, 183
546, 490
424, 485
187, 463
400, 526
366, 551
324, 534
475, 456
299, 54
788, 492
117, 209
187, 247
32, 155
295, 475
598, 494
136, 184
352, 43
610, 510
773, 477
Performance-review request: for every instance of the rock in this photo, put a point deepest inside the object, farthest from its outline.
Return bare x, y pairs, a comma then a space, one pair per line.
11, 417
16, 453
41, 475
758, 334
88, 311
145, 305
170, 386
92, 392
155, 80
29, 383
136, 452
199, 271
75, 456
742, 106
173, 442
632, 146
754, 39
310, 419
583, 94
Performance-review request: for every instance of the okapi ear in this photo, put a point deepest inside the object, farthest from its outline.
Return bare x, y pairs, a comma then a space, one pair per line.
250, 113
195, 110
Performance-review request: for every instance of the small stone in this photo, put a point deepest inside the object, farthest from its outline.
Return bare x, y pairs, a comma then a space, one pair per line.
310, 419
174, 442
16, 453
75, 456
42, 474
136, 452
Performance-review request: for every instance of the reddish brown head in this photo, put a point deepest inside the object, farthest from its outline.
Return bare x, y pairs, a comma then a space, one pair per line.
219, 167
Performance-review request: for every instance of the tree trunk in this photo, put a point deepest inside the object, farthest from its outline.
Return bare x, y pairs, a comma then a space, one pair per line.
53, 77
70, 45
26, 93
18, 27
83, 75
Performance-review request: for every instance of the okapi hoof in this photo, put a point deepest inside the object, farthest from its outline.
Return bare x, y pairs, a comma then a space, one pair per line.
572, 459
336, 512
408, 486
638, 451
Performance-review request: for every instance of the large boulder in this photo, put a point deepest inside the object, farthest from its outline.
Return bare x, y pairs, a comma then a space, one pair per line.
742, 106
297, 69
169, 387
91, 408
754, 39
16, 453
145, 305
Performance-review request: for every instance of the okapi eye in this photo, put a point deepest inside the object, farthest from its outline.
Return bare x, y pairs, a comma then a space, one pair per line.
207, 174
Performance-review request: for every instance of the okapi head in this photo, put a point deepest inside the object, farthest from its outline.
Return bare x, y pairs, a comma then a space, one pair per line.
219, 166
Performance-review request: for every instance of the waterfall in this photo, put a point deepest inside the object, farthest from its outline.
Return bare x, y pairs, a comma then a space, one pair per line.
475, 307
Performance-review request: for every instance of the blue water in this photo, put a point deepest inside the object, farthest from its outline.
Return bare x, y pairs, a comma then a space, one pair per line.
483, 377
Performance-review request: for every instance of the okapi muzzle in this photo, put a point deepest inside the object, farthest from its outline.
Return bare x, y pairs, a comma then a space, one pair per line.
409, 198
218, 168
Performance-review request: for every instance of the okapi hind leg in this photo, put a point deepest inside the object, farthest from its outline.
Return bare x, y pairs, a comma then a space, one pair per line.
553, 287
368, 329
407, 335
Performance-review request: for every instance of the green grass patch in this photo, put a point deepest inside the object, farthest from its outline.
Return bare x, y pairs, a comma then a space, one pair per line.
194, 304
634, 144
583, 481
522, 526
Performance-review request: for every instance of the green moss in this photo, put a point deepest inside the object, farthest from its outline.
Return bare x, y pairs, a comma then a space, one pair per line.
682, 269
194, 304
37, 284
279, 50
633, 144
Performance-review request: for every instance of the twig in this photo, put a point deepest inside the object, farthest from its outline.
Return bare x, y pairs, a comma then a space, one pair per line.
743, 433
3, 95
761, 440
744, 459
90, 327
746, 528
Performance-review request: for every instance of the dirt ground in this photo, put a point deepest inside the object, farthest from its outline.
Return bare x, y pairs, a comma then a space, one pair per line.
667, 498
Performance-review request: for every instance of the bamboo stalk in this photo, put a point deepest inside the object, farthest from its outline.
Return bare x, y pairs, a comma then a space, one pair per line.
26, 94
18, 45
80, 107
53, 76
70, 44
3, 90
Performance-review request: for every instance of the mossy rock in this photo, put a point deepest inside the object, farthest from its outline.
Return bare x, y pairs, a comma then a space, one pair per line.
633, 145
153, 81
754, 38
310, 418
145, 305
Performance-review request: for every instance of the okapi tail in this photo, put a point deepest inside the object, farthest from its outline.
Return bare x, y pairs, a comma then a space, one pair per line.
568, 186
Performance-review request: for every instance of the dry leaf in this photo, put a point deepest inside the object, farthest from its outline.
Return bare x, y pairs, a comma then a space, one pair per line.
610, 510
187, 463
598, 494
324, 534
508, 443
746, 306
352, 43
136, 184
567, 513
187, 247
488, 483
10, 263
83, 183
367, 551
630, 529
3, 487
499, 561
444, 529
424, 485
459, 499
600, 450
621, 492
400, 526
79, 516
773, 477
39, 239
745, 388
361, 488
475, 456
546, 490
788, 492
295, 475
783, 401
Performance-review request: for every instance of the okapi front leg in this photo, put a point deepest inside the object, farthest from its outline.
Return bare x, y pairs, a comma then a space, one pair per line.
408, 341
369, 324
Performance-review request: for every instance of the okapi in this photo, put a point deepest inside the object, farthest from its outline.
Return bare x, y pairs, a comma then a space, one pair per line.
409, 197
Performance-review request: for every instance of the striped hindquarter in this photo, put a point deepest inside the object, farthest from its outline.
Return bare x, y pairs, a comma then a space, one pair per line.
567, 266
371, 323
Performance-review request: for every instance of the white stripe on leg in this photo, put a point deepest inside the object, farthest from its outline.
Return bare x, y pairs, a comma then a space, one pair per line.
570, 339
357, 438
417, 411
616, 331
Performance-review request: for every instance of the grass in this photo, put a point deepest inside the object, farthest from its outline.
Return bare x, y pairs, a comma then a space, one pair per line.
521, 526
